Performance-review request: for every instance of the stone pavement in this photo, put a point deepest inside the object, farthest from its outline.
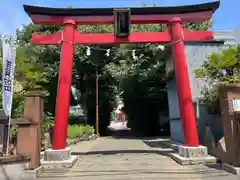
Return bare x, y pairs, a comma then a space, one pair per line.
131, 159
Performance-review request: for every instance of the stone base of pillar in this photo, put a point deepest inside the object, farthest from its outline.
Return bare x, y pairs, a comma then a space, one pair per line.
192, 155
58, 158
231, 169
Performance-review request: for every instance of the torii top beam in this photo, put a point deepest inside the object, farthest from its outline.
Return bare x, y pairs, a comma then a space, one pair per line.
144, 15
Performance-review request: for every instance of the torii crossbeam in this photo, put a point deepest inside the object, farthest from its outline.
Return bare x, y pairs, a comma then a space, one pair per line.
173, 16
110, 38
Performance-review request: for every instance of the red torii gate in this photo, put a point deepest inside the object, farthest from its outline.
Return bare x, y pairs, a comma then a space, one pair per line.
173, 16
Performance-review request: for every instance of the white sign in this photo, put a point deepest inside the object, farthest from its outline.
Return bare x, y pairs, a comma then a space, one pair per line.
236, 105
7, 77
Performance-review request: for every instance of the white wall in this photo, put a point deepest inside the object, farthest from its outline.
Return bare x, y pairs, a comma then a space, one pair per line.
196, 54
174, 114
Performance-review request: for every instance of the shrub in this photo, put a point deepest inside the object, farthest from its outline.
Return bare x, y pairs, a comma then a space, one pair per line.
88, 130
75, 131
14, 130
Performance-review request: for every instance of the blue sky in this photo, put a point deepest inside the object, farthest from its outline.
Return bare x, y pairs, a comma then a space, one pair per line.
12, 15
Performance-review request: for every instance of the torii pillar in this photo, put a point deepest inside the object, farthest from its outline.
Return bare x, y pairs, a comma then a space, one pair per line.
59, 152
64, 85
184, 94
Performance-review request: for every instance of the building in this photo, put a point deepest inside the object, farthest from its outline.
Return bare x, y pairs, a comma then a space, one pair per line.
196, 54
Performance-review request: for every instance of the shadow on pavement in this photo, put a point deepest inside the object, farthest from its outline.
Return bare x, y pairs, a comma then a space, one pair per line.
115, 152
128, 134
157, 143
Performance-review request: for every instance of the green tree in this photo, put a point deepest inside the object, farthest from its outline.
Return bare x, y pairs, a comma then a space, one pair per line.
220, 68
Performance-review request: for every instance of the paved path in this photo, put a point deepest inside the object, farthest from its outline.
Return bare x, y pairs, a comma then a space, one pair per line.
131, 159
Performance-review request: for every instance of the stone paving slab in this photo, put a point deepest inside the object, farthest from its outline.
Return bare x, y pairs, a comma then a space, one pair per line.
85, 146
131, 159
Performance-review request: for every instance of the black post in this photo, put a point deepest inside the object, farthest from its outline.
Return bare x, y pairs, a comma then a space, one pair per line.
6, 139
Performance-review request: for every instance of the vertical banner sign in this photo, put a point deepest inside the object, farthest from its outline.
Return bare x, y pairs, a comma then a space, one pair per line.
7, 77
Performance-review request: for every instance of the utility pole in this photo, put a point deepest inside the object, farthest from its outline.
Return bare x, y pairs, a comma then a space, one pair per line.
97, 102
97, 97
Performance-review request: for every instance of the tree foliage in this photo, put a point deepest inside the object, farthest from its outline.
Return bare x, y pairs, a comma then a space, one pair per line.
220, 68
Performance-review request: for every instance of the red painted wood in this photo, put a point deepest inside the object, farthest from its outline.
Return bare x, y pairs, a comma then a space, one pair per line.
64, 87
197, 36
186, 108
109, 38
47, 38
135, 19
136, 37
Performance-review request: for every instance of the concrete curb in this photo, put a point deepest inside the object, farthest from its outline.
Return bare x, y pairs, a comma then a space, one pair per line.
32, 174
230, 168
